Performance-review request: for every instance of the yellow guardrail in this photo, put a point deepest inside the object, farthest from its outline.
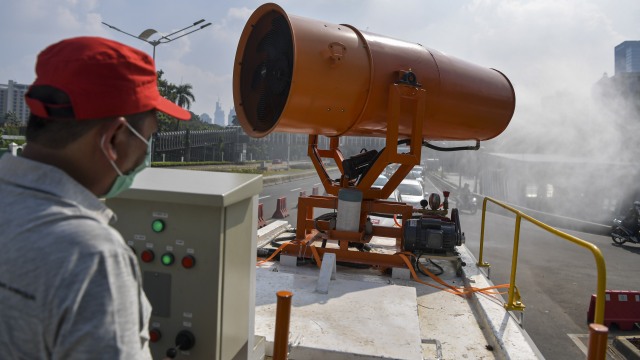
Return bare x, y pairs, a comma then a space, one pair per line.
513, 302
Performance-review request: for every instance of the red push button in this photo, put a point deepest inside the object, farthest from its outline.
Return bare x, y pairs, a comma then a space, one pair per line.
154, 335
188, 262
147, 256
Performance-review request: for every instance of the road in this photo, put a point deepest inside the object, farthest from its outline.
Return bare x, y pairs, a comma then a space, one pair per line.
555, 277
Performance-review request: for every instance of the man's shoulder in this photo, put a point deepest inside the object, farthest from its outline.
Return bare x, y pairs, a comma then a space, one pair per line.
86, 234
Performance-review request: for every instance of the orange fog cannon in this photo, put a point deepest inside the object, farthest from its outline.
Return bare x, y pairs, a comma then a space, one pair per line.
299, 75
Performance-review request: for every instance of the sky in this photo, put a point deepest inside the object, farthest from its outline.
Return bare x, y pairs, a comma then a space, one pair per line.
545, 47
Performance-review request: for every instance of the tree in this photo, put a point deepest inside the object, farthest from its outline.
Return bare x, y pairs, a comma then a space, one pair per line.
184, 96
11, 119
164, 87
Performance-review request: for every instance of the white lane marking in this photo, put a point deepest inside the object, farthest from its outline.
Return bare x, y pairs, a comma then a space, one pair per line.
317, 184
295, 189
578, 342
264, 197
432, 184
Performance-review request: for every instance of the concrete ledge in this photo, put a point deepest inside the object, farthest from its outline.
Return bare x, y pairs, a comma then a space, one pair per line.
271, 231
626, 348
501, 329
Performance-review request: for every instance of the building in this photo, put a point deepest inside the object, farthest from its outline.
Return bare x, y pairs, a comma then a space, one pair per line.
621, 92
232, 116
12, 100
218, 115
627, 57
205, 118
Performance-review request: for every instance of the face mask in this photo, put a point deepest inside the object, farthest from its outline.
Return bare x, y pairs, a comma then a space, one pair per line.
124, 181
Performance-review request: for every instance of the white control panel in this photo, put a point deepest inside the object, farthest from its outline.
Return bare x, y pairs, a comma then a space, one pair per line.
194, 234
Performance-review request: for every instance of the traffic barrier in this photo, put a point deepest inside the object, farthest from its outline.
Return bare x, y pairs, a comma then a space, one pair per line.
315, 191
302, 194
621, 307
261, 222
281, 209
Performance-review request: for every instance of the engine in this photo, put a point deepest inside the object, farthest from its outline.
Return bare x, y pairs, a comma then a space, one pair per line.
433, 234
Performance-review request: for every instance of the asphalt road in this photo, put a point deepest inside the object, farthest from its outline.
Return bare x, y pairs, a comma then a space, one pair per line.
555, 277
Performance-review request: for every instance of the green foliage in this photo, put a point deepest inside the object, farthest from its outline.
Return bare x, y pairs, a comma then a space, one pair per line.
11, 119
182, 163
11, 125
167, 123
183, 96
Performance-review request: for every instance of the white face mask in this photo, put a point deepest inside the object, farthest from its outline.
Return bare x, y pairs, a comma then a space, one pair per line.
124, 181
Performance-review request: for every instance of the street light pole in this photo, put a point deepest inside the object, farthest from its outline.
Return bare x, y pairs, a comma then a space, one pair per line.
145, 35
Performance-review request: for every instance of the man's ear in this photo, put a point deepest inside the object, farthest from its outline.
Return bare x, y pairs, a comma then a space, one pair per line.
112, 133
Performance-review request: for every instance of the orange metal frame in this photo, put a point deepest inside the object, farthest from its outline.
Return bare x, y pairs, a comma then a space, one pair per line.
309, 230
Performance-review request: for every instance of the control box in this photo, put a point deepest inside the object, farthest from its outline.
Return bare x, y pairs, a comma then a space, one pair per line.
194, 234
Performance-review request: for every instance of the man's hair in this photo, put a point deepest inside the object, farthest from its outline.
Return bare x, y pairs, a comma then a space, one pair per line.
61, 128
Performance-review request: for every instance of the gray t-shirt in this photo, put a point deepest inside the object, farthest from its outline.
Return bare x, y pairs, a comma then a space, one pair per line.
70, 287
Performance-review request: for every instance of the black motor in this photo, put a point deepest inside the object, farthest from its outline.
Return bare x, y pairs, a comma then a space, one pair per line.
433, 234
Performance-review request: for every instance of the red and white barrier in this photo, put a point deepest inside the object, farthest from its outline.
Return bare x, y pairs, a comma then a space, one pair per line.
281, 209
621, 307
261, 222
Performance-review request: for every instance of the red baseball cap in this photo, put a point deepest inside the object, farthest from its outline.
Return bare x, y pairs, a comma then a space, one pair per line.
103, 78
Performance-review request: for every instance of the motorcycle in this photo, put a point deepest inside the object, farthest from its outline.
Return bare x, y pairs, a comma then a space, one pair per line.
469, 206
621, 234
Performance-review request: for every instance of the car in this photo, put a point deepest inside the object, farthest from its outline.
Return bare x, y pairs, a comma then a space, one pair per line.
415, 175
388, 219
410, 192
276, 161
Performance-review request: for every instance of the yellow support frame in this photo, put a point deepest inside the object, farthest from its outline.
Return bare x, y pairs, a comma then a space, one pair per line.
514, 302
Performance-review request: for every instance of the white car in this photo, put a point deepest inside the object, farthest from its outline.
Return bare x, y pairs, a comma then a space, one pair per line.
388, 219
415, 175
380, 182
410, 192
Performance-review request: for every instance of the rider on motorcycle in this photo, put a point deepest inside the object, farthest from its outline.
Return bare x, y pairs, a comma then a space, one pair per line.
632, 217
465, 194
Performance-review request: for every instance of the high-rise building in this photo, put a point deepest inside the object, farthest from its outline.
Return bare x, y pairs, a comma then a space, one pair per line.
232, 115
12, 100
620, 93
627, 57
218, 115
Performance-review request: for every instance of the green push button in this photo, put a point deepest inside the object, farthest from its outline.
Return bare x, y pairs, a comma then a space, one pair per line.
167, 259
157, 225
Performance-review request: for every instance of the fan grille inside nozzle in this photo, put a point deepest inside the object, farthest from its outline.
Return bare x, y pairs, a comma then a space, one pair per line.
268, 62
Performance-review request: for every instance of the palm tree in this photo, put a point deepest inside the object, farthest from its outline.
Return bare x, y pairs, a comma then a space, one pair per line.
180, 95
184, 96
166, 89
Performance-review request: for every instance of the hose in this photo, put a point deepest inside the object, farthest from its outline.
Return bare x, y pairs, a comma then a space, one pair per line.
419, 268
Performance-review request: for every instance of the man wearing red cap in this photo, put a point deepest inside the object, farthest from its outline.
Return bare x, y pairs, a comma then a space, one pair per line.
70, 287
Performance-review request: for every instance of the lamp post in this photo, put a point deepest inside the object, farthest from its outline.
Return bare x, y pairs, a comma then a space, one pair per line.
145, 35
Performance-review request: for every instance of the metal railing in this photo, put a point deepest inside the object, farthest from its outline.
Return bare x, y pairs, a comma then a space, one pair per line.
513, 301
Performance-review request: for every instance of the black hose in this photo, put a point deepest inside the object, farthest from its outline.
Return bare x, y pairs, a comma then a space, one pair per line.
419, 268
458, 148
277, 242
